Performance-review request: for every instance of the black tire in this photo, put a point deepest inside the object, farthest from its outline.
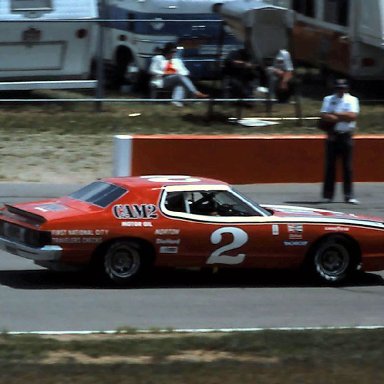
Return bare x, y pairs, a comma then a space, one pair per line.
333, 260
124, 263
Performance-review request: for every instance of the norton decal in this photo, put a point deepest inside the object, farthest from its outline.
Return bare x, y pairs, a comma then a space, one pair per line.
167, 231
134, 211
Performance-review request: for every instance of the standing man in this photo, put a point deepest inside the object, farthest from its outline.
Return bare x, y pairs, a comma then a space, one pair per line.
339, 112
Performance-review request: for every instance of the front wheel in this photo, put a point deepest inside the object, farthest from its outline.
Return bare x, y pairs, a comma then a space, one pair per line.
333, 260
124, 262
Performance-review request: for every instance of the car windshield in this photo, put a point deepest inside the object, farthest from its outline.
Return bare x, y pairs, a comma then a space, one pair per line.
99, 193
253, 203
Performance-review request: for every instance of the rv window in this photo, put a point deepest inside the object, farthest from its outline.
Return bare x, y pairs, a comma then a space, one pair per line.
336, 11
305, 7
30, 5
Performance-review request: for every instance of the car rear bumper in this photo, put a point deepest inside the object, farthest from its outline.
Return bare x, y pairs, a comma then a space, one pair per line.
46, 253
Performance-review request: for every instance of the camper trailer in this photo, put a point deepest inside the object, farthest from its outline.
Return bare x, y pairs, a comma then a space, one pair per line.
136, 29
46, 43
263, 28
341, 37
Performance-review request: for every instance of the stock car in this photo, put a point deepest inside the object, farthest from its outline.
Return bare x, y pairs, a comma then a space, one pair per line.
123, 226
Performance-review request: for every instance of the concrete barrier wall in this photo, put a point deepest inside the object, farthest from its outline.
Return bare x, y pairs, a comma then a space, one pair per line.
242, 159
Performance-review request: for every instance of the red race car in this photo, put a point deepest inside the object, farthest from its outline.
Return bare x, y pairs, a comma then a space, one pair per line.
123, 226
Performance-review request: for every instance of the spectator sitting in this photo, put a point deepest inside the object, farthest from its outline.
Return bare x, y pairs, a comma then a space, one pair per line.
280, 76
239, 75
169, 72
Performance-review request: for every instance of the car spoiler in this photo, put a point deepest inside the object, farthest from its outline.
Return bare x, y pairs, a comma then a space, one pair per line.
34, 218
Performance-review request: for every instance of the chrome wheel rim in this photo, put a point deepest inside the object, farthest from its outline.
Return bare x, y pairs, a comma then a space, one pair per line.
332, 261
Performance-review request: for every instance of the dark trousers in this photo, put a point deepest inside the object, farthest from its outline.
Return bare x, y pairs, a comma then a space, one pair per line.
338, 146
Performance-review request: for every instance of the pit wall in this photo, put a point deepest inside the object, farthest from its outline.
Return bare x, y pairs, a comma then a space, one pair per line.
242, 159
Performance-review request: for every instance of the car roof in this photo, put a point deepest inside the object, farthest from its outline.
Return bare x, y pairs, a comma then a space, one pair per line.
162, 181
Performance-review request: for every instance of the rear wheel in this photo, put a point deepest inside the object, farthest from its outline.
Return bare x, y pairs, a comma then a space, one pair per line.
124, 262
334, 260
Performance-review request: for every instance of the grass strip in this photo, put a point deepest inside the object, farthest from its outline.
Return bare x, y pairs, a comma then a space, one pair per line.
318, 356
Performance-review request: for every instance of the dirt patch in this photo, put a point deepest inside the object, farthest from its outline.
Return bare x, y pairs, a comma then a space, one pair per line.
196, 356
55, 158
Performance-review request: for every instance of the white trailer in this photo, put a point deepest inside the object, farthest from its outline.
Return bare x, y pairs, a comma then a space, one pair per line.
264, 28
341, 37
46, 43
135, 28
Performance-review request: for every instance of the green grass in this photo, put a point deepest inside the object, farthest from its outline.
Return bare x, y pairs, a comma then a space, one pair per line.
72, 118
344, 356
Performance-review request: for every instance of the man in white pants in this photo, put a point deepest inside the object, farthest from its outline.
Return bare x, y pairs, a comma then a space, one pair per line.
169, 72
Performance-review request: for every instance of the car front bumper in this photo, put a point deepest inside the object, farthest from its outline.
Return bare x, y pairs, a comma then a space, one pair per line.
45, 253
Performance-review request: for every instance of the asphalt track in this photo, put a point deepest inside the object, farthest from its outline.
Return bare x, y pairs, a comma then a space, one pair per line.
33, 299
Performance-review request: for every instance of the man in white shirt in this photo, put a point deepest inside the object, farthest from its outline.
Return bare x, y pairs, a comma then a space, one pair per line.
340, 110
169, 72
280, 76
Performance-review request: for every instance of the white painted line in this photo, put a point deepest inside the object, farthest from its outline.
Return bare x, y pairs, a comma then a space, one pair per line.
197, 330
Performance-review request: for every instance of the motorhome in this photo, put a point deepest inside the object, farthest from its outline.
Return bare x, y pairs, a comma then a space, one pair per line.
136, 29
341, 37
46, 43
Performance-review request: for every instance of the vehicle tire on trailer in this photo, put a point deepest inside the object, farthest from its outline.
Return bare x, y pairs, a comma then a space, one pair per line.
124, 262
333, 260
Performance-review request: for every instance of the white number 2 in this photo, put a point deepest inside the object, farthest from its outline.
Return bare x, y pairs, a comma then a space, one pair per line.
240, 237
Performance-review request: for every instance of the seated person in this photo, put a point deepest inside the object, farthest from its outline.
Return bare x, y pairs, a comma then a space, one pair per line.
280, 76
169, 72
239, 75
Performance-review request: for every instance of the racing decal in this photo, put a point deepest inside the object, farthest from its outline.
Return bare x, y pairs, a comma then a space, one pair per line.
302, 243
275, 230
169, 250
78, 236
240, 237
136, 224
173, 179
80, 232
50, 207
77, 240
295, 228
135, 211
167, 231
337, 229
168, 241
295, 231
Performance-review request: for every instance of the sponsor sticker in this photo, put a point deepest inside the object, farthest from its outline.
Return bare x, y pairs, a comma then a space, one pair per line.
337, 228
297, 243
169, 250
167, 231
135, 211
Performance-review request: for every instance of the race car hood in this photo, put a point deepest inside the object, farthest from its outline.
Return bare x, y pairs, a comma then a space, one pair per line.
49, 210
313, 213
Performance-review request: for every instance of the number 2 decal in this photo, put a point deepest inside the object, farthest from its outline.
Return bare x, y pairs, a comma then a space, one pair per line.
240, 237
